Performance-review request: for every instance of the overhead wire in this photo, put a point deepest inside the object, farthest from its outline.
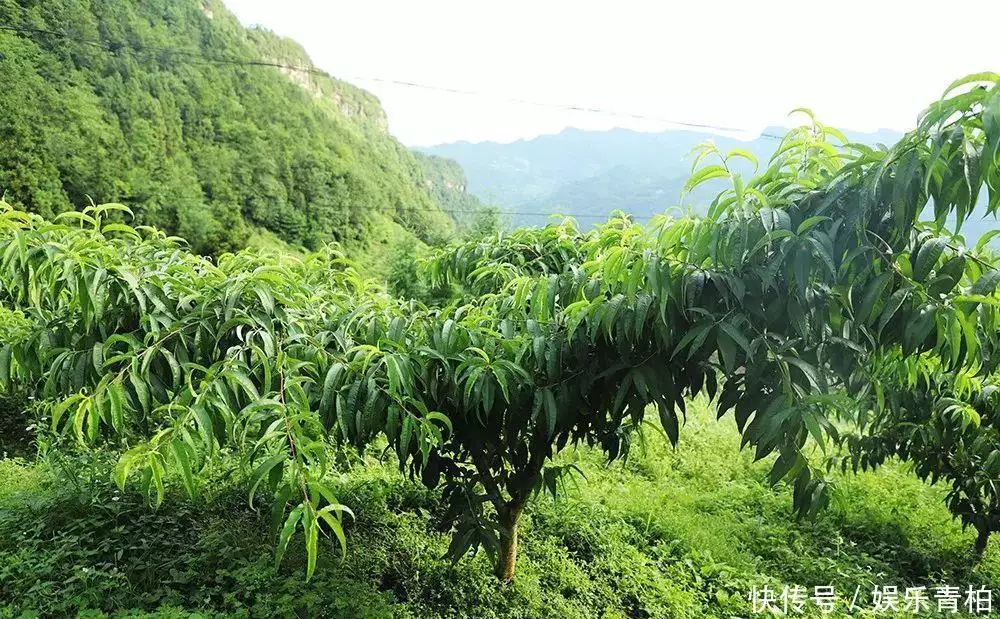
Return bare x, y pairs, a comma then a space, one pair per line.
120, 47
568, 107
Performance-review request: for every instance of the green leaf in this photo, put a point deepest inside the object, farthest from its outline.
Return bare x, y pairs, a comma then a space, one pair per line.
812, 424
262, 471
310, 526
985, 239
727, 349
736, 335
126, 463
948, 276
441, 417
291, 523
141, 390
278, 506
986, 284
769, 238
697, 332
927, 258
334, 526
919, 327
551, 410
183, 459
116, 399
985, 76
6, 352
669, 421
873, 292
240, 378
812, 374
744, 154
892, 306
405, 432
809, 223
704, 175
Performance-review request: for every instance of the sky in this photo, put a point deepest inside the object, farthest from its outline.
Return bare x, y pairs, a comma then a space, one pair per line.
858, 64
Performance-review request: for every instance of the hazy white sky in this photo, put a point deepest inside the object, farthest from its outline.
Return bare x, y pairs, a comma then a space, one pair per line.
859, 64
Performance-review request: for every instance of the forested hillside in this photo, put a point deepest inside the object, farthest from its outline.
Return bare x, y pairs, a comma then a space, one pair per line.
175, 109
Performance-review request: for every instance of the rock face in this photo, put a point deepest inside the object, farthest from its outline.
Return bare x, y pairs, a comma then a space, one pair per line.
294, 63
443, 174
446, 182
352, 102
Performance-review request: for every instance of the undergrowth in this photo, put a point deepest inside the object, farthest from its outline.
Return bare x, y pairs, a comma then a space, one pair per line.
682, 533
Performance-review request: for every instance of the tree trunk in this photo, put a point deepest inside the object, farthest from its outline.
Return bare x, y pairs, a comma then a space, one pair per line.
982, 540
507, 557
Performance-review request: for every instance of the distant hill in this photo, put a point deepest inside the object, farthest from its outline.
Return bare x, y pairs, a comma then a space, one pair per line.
589, 174
159, 104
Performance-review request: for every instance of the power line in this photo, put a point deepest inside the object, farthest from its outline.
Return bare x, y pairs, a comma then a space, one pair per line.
404, 210
118, 47
562, 106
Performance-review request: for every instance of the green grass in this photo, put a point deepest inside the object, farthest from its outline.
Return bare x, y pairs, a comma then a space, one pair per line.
668, 533
265, 240
373, 255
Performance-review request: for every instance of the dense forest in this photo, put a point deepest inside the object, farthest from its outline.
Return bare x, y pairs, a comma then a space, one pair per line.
173, 108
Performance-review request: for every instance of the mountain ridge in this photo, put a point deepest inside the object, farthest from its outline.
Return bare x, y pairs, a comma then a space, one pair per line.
590, 174
769, 129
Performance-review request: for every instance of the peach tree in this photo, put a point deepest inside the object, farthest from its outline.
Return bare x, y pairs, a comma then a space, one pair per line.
779, 304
